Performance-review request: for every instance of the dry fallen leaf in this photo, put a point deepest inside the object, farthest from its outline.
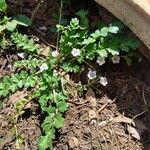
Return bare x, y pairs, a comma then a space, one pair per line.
14, 98
92, 114
90, 96
122, 119
45, 51
73, 142
136, 133
102, 124
136, 122
28, 105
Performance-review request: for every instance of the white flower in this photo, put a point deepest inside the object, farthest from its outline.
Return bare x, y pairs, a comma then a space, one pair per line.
43, 67
55, 53
75, 52
91, 75
21, 55
103, 81
55, 72
9, 66
114, 29
100, 60
115, 59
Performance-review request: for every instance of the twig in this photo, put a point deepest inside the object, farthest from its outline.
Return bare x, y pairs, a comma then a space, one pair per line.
89, 65
139, 114
144, 99
48, 43
105, 105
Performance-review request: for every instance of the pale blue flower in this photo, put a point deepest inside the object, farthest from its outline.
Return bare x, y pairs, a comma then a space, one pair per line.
75, 52
100, 60
115, 59
103, 81
91, 75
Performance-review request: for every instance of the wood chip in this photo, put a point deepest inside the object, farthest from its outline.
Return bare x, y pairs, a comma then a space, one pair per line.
92, 114
73, 142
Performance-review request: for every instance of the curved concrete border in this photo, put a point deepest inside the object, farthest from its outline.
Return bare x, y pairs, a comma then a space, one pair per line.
133, 13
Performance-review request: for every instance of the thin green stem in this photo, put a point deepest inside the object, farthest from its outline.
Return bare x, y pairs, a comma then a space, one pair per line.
59, 21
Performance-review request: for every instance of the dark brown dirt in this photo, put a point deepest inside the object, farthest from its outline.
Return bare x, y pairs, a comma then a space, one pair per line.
26, 128
80, 132
131, 95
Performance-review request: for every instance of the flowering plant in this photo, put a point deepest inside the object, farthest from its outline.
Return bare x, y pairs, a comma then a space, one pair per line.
42, 75
78, 45
99, 45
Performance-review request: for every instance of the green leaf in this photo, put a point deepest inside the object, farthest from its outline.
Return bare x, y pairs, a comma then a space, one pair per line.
102, 53
51, 110
20, 83
96, 34
11, 26
23, 20
22, 41
3, 6
113, 29
82, 13
113, 51
74, 23
62, 106
30, 82
59, 120
14, 78
4, 20
129, 43
104, 31
13, 87
61, 97
88, 41
46, 141
5, 93
71, 67
2, 28
60, 27
1, 86
83, 16
2, 93
48, 123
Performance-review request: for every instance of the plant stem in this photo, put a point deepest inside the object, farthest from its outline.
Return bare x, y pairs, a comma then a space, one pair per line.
59, 21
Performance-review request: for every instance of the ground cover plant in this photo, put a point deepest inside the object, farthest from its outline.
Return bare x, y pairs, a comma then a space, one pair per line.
44, 77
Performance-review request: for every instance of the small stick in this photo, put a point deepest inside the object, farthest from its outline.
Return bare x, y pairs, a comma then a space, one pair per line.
105, 105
